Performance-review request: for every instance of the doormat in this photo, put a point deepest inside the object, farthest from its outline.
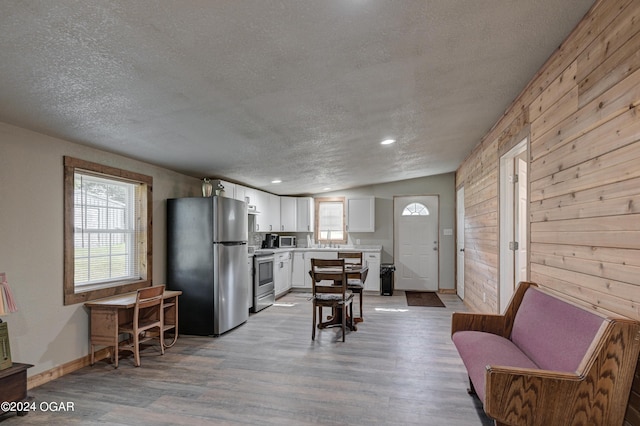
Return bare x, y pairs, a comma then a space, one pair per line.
424, 298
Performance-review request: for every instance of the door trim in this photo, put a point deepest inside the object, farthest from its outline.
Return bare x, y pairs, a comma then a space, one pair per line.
506, 222
460, 216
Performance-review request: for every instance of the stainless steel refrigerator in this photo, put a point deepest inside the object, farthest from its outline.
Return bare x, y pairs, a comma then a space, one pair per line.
207, 261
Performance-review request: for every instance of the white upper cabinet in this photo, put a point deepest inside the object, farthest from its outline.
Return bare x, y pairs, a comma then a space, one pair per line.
274, 213
263, 219
304, 214
361, 214
241, 193
288, 209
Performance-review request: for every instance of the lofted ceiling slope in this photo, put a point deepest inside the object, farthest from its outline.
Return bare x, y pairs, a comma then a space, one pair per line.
257, 90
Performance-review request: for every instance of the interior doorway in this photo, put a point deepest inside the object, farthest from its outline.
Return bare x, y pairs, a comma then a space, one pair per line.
460, 242
416, 243
513, 220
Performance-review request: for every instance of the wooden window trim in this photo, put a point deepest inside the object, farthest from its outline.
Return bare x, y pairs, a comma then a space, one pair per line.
70, 295
317, 202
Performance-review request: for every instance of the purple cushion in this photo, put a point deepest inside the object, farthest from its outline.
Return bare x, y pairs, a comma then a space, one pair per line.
554, 334
478, 349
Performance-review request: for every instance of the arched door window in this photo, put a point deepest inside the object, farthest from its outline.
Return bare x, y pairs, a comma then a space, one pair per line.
415, 209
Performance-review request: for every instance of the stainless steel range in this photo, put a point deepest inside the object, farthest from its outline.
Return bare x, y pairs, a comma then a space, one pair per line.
263, 288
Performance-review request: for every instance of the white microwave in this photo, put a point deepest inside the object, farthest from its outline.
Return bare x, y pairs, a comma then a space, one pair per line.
286, 241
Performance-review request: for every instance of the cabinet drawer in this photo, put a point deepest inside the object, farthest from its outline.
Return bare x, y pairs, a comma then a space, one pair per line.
372, 257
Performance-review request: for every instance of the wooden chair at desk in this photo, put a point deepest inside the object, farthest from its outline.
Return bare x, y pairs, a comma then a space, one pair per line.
356, 285
148, 313
334, 295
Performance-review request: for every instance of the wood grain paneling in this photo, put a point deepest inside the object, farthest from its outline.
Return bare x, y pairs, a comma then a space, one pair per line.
617, 133
584, 174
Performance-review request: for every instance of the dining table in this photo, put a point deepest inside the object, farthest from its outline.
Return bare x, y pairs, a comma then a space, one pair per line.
358, 272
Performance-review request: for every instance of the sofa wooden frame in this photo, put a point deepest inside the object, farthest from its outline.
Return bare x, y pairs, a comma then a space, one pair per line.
597, 393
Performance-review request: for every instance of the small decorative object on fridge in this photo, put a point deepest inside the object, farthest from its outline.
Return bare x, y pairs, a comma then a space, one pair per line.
220, 190
207, 187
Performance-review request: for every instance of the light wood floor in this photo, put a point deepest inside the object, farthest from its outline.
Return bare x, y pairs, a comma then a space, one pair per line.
399, 368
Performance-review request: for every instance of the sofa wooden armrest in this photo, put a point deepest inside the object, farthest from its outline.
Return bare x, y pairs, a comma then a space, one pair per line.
491, 323
596, 394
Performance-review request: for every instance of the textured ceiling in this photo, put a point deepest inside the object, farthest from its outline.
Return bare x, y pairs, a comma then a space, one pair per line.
254, 90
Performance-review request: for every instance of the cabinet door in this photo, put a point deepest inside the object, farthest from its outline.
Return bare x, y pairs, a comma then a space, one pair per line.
372, 260
287, 266
278, 277
361, 214
282, 272
274, 212
262, 220
251, 197
298, 273
241, 193
288, 208
304, 214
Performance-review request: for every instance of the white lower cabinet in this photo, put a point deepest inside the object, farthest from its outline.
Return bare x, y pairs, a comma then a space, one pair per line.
282, 273
372, 260
298, 273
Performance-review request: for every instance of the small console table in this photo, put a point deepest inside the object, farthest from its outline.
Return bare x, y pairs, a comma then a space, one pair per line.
13, 385
109, 313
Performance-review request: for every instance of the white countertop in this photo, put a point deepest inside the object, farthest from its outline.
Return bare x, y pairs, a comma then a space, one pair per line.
362, 248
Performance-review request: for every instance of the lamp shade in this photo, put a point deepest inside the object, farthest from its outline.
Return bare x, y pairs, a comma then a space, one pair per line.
7, 302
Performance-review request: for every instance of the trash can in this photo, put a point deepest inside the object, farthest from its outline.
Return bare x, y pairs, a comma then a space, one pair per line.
386, 279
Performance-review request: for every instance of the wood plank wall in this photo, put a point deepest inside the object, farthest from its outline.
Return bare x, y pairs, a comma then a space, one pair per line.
580, 112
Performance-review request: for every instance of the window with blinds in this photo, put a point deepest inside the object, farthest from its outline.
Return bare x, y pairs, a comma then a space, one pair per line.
330, 223
106, 212
107, 231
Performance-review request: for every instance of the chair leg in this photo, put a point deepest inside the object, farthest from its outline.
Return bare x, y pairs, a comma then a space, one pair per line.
344, 322
93, 357
361, 313
313, 326
161, 340
136, 348
115, 354
352, 318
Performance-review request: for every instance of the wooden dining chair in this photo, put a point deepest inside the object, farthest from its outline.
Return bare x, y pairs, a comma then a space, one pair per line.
356, 285
329, 286
148, 313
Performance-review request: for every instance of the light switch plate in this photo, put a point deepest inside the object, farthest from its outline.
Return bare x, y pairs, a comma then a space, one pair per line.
447, 231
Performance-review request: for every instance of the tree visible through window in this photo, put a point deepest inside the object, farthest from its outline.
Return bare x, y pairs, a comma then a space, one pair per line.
107, 231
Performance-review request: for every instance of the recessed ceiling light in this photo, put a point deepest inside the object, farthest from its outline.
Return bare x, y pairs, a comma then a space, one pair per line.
326, 189
387, 142
276, 181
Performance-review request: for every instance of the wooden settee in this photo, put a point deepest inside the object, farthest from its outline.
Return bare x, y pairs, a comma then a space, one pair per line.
547, 361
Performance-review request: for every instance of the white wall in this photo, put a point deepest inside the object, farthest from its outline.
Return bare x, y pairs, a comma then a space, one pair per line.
442, 185
44, 332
